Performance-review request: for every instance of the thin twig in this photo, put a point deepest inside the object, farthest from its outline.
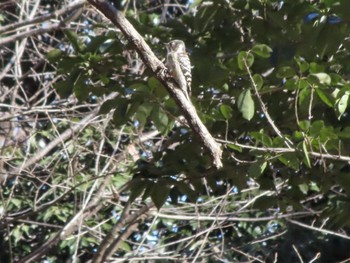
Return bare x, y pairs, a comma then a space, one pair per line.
18, 25
324, 231
288, 142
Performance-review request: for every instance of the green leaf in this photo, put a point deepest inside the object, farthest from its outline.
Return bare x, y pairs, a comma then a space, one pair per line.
70, 65
96, 42
336, 79
316, 68
256, 169
298, 135
245, 104
316, 128
262, 50
234, 147
306, 154
74, 40
226, 111
258, 81
124, 246
159, 194
303, 65
285, 72
160, 119
292, 83
153, 83
291, 160
304, 188
16, 202
325, 97
80, 89
157, 87
304, 125
140, 89
143, 112
265, 202
314, 187
327, 133
120, 116
342, 103
149, 190
304, 98
225, 87
107, 106
303, 84
263, 138
329, 3
137, 186
205, 18
245, 59
64, 88
16, 234
54, 55
185, 189
345, 133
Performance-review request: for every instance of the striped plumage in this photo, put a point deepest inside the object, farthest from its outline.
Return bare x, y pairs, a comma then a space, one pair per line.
179, 65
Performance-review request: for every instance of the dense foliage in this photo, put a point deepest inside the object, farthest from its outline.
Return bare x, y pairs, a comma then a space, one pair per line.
96, 157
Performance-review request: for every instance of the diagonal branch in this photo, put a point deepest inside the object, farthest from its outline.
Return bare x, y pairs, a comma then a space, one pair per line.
287, 141
158, 69
112, 240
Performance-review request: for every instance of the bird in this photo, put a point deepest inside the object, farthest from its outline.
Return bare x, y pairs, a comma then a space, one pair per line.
179, 65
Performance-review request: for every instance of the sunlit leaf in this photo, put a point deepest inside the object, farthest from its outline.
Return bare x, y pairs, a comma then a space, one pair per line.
234, 147
258, 81
245, 59
323, 78
245, 104
325, 97
226, 111
304, 125
306, 154
262, 50
304, 188
342, 103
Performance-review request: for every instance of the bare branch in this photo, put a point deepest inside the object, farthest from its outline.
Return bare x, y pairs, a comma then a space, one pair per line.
69, 8
111, 241
229, 218
63, 137
324, 231
280, 150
